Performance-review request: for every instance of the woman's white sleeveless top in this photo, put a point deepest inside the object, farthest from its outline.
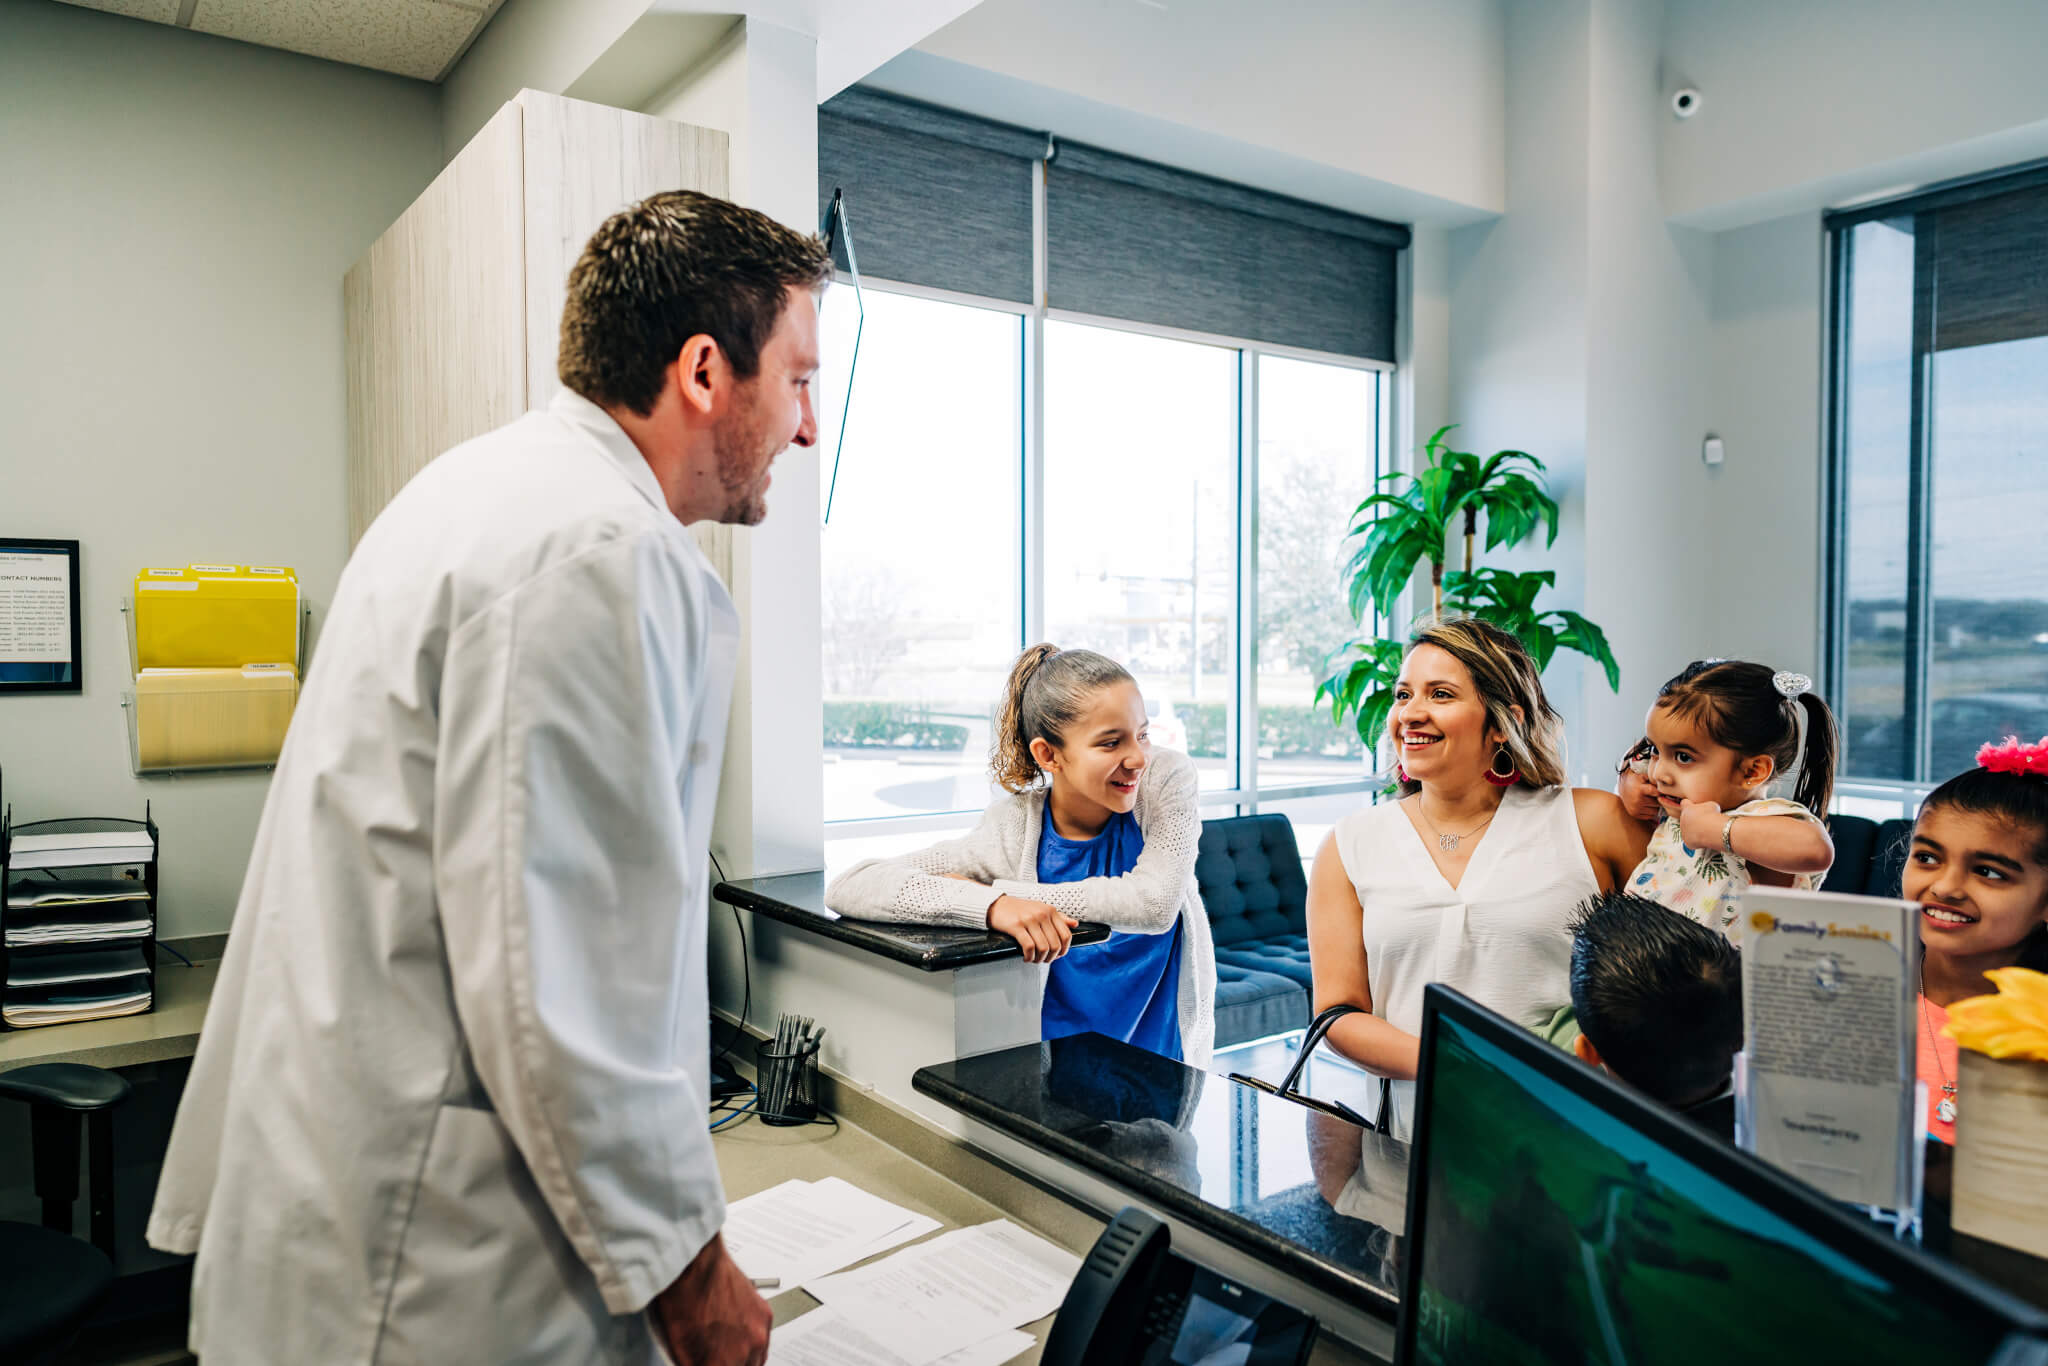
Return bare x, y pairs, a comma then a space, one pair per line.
1502, 935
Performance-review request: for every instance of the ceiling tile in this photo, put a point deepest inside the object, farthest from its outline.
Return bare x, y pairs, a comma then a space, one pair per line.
156, 11
409, 37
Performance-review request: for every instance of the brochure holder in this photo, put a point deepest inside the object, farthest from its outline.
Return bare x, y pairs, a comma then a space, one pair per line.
1826, 1088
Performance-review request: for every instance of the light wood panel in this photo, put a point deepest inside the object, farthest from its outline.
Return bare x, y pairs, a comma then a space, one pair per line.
436, 323
585, 162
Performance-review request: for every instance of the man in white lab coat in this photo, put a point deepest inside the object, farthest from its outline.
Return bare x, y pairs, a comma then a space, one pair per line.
449, 1104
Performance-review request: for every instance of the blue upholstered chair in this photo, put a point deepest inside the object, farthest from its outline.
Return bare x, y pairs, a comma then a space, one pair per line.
1869, 857
1249, 872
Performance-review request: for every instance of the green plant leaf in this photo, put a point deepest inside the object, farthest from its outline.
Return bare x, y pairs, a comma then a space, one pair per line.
1577, 633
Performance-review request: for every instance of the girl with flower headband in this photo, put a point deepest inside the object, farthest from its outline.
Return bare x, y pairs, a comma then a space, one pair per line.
1978, 866
1719, 734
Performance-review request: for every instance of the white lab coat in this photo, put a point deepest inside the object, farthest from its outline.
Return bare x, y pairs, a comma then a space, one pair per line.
449, 1104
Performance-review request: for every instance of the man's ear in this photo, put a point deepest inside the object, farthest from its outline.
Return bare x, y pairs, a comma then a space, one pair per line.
701, 374
1588, 1054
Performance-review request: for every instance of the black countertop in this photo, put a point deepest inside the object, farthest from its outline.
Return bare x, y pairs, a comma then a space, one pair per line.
1312, 1196
1260, 1173
799, 899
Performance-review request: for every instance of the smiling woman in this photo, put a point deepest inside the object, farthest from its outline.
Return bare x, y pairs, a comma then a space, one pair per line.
1094, 825
1472, 877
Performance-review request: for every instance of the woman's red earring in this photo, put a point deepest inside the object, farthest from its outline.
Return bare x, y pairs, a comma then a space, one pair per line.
1400, 774
1494, 774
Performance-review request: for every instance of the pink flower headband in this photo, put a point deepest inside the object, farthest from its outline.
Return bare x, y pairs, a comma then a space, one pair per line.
2014, 757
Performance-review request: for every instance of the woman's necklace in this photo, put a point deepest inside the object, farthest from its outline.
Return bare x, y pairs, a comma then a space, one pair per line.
1449, 843
1946, 1110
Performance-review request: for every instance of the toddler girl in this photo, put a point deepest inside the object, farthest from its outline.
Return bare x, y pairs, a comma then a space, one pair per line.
1719, 733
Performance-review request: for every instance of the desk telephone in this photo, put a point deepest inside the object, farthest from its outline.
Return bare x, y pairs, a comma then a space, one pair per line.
1138, 1303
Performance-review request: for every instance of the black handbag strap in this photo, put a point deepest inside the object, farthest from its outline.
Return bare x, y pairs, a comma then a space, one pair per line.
1317, 1028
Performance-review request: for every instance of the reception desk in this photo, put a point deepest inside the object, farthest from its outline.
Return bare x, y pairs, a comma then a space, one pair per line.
894, 998
1299, 1205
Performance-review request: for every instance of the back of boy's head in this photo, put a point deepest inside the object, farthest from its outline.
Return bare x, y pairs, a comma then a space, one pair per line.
1659, 996
1752, 710
2008, 785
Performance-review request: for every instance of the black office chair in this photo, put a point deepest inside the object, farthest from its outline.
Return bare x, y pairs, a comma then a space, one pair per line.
49, 1280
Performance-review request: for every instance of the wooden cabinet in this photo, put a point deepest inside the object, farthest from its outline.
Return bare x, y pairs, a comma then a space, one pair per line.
454, 313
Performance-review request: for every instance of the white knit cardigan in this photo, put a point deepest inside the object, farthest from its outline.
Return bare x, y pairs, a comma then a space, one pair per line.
1002, 853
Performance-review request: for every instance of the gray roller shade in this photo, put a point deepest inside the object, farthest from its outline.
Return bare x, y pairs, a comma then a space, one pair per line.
1990, 269
932, 197
1134, 240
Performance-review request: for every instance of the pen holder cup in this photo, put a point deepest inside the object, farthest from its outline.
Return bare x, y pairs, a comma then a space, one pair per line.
786, 1082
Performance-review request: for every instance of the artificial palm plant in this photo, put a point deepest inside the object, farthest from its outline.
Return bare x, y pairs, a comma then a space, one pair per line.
1398, 528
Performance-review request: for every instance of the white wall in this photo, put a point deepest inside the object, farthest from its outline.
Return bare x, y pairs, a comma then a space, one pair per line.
1518, 297
1649, 554
1814, 103
1764, 503
529, 44
180, 210
1372, 105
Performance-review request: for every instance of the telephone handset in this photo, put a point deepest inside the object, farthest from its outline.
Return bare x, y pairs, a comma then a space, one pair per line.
1136, 1303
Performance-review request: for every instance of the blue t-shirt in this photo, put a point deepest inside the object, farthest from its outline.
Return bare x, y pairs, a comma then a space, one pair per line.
1128, 986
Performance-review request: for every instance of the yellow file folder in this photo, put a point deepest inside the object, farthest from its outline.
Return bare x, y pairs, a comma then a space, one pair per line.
216, 616
192, 717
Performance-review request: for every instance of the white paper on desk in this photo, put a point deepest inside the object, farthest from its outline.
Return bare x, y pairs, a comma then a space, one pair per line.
801, 1230
953, 1291
824, 1337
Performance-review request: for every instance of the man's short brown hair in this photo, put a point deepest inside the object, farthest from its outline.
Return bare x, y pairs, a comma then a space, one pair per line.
670, 267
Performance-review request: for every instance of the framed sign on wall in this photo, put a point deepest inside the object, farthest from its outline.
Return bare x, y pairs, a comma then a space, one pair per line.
39, 626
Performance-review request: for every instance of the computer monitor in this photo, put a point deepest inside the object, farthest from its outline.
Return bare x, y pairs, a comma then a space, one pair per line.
1555, 1216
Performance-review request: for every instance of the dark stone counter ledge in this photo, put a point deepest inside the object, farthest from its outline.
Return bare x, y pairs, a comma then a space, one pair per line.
798, 899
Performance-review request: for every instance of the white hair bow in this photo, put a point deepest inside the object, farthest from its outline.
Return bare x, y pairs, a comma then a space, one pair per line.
1790, 684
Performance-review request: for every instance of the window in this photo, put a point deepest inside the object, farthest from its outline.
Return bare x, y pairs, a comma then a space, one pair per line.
920, 561
1940, 459
1141, 524
1147, 552
1318, 457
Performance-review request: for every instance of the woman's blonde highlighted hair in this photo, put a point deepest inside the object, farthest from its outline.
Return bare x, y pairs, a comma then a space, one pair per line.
1048, 690
1507, 679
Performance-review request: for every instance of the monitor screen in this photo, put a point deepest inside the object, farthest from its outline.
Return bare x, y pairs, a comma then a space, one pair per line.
1556, 1217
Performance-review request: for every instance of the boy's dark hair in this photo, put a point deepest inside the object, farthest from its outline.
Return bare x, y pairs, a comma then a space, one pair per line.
1737, 703
673, 266
2020, 800
1659, 996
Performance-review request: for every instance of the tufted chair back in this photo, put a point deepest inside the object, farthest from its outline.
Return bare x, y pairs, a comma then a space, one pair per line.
1249, 872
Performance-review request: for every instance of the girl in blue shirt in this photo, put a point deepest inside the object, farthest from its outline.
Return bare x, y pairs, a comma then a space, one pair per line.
1094, 825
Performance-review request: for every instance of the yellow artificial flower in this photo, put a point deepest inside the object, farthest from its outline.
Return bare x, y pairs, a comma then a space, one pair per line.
2011, 1024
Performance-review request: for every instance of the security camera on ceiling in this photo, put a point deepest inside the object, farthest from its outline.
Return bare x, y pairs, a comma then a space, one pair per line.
1685, 103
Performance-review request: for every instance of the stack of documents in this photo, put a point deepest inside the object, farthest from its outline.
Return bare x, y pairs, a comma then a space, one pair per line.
94, 848
79, 910
957, 1299
801, 1230
63, 988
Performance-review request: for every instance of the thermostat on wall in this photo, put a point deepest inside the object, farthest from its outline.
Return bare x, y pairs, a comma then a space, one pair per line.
1711, 451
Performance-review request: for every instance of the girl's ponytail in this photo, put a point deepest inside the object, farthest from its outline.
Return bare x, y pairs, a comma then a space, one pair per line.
1816, 784
1047, 692
1009, 754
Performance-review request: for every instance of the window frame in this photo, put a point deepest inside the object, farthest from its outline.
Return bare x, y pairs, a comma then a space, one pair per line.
1839, 227
1244, 795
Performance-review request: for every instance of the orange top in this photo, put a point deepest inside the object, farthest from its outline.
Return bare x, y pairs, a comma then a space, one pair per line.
1937, 1064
